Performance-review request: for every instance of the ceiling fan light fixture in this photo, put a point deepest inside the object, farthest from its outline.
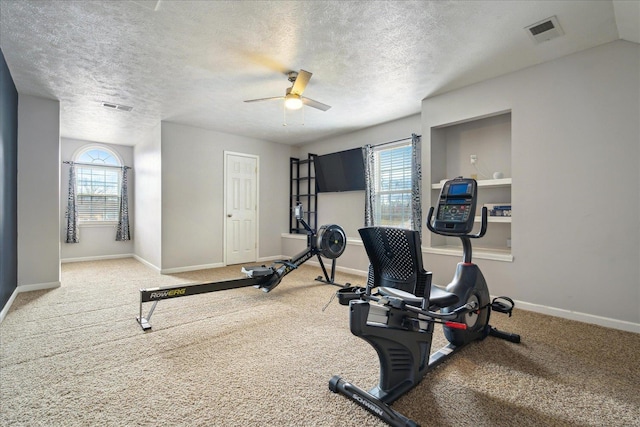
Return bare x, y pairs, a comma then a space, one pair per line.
292, 101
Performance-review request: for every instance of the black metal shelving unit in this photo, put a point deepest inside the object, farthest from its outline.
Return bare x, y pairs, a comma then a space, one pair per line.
302, 189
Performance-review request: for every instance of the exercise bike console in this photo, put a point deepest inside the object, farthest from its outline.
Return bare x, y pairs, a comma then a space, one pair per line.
456, 207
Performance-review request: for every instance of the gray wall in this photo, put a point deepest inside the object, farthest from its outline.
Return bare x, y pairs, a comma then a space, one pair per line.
575, 125
8, 184
147, 224
575, 131
96, 241
347, 208
192, 195
575, 163
38, 192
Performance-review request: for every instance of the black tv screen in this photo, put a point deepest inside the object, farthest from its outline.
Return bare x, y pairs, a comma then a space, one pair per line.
341, 171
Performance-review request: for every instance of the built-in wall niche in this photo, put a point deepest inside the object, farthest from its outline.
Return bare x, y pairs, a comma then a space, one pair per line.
486, 139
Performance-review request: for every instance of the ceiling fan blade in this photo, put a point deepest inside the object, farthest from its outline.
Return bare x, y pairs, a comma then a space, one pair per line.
315, 104
265, 99
301, 82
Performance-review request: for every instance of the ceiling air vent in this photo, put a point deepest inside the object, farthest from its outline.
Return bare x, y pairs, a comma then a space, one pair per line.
119, 107
544, 30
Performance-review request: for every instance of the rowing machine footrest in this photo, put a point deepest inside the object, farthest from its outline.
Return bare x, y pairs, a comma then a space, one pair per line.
503, 305
349, 294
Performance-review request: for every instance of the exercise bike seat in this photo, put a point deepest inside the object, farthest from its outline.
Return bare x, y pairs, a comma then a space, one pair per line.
438, 297
396, 269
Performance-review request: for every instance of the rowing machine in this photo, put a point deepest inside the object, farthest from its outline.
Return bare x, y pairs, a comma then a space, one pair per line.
329, 241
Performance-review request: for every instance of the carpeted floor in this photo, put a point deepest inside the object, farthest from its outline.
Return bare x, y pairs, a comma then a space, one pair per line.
75, 356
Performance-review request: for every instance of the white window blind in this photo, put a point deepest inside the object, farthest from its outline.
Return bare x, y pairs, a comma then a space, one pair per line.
98, 193
393, 186
98, 175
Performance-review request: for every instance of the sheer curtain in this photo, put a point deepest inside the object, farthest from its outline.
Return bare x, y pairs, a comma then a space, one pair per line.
72, 208
122, 231
416, 184
370, 184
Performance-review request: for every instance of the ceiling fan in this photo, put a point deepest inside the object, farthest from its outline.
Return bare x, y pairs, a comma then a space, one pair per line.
293, 99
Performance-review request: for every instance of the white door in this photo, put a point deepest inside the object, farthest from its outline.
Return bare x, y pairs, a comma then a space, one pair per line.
241, 204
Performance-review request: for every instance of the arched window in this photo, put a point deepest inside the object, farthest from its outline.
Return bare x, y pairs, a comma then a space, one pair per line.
98, 174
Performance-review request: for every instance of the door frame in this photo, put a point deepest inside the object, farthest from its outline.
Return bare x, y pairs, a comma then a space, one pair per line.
224, 205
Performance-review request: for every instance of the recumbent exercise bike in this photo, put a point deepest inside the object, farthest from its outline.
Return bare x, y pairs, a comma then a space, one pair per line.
398, 319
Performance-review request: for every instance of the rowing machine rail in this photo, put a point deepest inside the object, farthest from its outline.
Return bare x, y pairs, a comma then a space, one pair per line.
330, 242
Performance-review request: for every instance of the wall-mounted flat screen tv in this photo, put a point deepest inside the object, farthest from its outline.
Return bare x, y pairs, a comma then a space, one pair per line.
341, 171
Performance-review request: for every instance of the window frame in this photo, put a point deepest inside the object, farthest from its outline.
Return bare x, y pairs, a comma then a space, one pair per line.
80, 165
405, 191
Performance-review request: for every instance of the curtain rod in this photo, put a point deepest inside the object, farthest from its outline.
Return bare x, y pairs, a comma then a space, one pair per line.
93, 164
392, 142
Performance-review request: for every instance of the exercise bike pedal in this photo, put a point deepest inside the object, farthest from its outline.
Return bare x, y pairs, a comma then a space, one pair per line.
503, 305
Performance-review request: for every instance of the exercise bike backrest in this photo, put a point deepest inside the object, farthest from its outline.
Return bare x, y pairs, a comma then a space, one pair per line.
455, 212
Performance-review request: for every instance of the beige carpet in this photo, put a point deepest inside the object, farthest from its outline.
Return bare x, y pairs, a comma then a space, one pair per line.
75, 356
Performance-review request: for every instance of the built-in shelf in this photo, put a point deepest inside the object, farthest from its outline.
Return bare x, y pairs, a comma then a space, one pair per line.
486, 140
478, 252
502, 219
495, 183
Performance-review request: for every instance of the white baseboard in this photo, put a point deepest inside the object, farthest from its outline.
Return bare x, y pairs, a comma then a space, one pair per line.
607, 322
537, 308
272, 258
350, 241
96, 258
355, 272
38, 286
191, 268
7, 306
146, 263
25, 288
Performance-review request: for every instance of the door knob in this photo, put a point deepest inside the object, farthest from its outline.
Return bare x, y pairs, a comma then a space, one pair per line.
229, 215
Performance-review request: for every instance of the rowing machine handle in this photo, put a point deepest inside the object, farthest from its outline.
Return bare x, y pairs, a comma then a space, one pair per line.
298, 211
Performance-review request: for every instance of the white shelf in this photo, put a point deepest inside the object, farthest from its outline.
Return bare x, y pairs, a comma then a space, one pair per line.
503, 182
501, 219
481, 253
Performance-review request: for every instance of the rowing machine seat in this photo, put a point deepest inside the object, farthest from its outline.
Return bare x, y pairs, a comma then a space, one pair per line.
257, 271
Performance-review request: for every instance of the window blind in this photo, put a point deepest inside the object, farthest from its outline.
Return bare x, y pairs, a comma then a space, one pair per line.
393, 186
98, 193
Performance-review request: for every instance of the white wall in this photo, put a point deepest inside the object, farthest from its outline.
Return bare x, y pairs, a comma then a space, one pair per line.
347, 208
575, 165
147, 224
575, 131
96, 241
38, 192
192, 195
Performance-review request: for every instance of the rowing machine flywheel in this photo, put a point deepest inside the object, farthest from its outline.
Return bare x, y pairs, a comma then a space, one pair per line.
331, 241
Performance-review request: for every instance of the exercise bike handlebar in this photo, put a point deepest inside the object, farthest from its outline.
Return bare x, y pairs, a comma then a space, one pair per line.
399, 303
479, 234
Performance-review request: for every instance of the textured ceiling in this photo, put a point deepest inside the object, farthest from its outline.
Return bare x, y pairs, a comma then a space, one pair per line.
194, 62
